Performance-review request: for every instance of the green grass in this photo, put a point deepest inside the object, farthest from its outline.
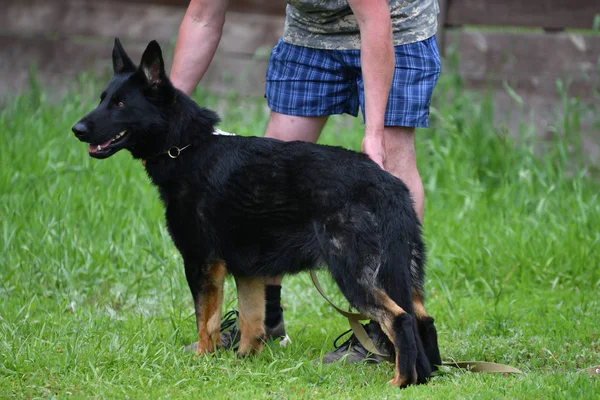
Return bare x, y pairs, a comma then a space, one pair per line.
94, 301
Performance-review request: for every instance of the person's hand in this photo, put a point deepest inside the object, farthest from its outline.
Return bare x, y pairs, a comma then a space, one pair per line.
373, 146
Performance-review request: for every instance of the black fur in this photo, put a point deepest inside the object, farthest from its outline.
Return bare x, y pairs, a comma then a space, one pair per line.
264, 206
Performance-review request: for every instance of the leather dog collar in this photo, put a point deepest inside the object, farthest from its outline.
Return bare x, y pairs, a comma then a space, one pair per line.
173, 152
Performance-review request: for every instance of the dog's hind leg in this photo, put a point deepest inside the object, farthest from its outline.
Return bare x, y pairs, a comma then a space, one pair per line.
426, 328
370, 262
207, 291
251, 304
396, 323
427, 331
372, 301
399, 327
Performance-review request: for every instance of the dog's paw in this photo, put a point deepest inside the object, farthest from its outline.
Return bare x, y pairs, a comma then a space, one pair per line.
402, 381
203, 350
250, 347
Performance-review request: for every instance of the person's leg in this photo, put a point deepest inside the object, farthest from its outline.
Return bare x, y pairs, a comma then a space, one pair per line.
304, 86
418, 67
288, 128
283, 127
401, 161
291, 127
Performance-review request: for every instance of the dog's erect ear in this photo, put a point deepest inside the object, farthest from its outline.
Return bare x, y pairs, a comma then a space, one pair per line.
152, 64
121, 61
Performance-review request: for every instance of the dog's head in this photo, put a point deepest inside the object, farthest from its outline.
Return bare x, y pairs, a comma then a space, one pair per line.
129, 114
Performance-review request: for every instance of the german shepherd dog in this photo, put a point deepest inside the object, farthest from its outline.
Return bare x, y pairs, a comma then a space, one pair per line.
256, 207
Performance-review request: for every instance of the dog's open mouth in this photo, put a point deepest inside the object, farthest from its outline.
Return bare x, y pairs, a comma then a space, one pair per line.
109, 147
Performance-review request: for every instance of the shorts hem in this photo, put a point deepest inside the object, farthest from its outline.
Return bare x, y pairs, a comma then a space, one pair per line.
408, 122
299, 112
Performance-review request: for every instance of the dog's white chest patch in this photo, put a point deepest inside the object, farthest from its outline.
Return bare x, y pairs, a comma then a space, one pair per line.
220, 132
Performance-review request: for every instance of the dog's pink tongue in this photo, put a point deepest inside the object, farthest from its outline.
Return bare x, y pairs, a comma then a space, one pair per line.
94, 147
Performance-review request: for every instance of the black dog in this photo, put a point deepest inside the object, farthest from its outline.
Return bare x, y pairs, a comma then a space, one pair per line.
256, 207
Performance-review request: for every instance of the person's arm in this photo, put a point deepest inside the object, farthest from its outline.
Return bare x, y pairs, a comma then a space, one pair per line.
377, 60
199, 36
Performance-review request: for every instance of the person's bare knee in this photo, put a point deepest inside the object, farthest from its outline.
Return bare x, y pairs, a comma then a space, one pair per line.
291, 127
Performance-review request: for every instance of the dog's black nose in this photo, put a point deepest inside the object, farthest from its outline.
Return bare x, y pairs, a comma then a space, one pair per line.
80, 129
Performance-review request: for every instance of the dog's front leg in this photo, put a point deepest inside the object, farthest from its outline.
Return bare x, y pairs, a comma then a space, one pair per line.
206, 285
251, 304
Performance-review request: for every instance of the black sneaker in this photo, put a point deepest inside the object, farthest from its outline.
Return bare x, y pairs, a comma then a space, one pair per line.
351, 351
230, 333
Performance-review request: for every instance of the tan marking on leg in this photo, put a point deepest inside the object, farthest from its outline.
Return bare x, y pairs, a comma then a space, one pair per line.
251, 304
204, 343
210, 307
213, 323
418, 305
392, 311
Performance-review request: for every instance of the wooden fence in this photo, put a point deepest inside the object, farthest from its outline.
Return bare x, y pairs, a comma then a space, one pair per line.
524, 44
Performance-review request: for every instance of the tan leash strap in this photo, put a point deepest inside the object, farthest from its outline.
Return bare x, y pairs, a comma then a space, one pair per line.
353, 318
483, 366
359, 331
591, 371
347, 314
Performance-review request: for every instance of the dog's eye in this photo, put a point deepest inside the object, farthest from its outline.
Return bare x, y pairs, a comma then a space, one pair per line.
120, 104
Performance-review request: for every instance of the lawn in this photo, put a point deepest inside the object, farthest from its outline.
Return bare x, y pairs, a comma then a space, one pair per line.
94, 301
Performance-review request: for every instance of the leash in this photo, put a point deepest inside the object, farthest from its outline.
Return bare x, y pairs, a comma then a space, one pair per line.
354, 319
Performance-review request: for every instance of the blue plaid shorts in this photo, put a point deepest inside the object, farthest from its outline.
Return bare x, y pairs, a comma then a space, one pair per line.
305, 81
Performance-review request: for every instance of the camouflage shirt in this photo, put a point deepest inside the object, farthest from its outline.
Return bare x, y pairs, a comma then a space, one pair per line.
330, 24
